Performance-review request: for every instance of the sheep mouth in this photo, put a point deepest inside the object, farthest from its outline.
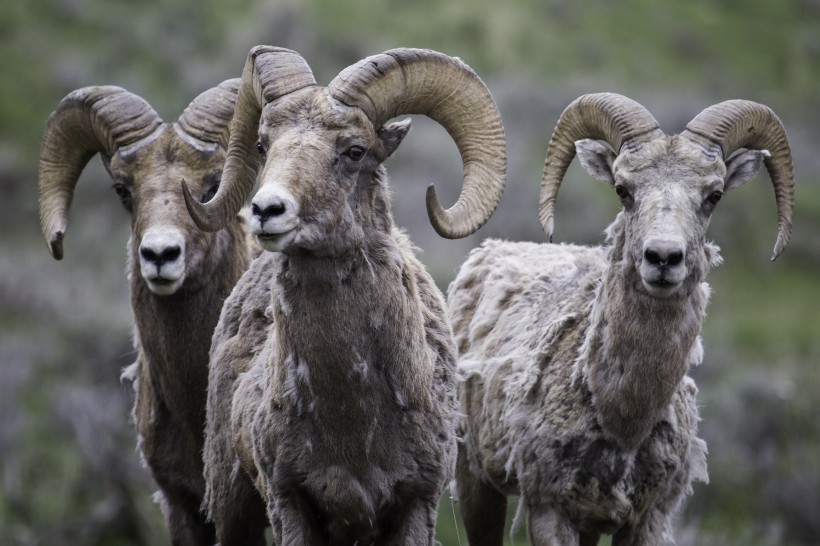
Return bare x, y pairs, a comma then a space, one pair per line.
163, 286
661, 287
276, 242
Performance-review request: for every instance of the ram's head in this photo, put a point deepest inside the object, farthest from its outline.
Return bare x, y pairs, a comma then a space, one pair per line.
321, 148
146, 159
669, 185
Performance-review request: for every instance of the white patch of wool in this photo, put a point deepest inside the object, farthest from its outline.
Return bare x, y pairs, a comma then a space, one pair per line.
130, 373
695, 357
279, 292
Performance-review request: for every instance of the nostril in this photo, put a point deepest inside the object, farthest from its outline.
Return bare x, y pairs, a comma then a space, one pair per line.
652, 257
148, 254
170, 254
166, 255
663, 256
675, 258
276, 209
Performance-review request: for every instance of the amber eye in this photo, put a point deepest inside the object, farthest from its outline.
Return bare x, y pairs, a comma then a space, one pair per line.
714, 197
122, 191
356, 153
124, 194
260, 148
621, 191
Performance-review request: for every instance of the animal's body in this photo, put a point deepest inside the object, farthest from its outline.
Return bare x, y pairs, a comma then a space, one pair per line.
575, 359
331, 397
539, 434
178, 276
358, 430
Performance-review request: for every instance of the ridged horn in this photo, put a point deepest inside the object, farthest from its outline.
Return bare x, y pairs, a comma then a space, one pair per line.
269, 73
613, 118
736, 124
87, 121
418, 81
209, 115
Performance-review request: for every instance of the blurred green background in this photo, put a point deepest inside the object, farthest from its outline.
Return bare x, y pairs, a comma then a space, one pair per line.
69, 468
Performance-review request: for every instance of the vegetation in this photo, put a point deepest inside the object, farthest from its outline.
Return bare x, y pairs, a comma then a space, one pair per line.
68, 464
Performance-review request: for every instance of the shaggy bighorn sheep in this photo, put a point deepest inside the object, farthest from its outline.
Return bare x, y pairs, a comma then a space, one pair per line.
575, 358
178, 275
332, 385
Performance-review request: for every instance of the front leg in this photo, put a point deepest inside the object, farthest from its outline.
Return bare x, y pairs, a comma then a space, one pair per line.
547, 527
293, 520
416, 525
649, 531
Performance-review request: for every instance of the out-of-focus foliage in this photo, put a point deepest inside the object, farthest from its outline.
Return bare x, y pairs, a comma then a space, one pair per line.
69, 469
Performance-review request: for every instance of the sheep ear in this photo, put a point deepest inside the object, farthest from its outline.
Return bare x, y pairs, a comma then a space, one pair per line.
392, 134
742, 167
597, 159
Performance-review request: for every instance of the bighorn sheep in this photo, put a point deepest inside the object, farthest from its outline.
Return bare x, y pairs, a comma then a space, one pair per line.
178, 275
575, 358
332, 385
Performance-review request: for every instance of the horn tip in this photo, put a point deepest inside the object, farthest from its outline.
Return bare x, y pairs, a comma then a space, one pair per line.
439, 218
548, 224
198, 212
780, 244
779, 247
55, 245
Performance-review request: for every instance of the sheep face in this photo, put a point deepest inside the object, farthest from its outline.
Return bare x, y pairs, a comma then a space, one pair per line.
164, 240
669, 188
317, 186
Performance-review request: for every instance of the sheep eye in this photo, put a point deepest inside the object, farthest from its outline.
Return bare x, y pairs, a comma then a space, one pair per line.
209, 194
356, 153
122, 191
260, 148
714, 197
124, 194
621, 192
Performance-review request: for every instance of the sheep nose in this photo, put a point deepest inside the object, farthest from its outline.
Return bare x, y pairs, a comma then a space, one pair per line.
161, 246
271, 210
160, 256
663, 253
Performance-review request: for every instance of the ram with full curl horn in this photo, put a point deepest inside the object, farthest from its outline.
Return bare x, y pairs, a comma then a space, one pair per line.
576, 395
179, 276
332, 391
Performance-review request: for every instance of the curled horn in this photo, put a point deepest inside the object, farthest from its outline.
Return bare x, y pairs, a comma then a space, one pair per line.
87, 121
269, 73
208, 117
418, 81
736, 124
613, 118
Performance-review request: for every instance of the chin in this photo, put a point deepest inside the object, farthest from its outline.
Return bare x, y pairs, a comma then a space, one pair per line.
165, 287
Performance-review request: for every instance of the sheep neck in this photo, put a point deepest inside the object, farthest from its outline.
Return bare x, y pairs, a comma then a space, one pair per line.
638, 349
174, 332
349, 334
